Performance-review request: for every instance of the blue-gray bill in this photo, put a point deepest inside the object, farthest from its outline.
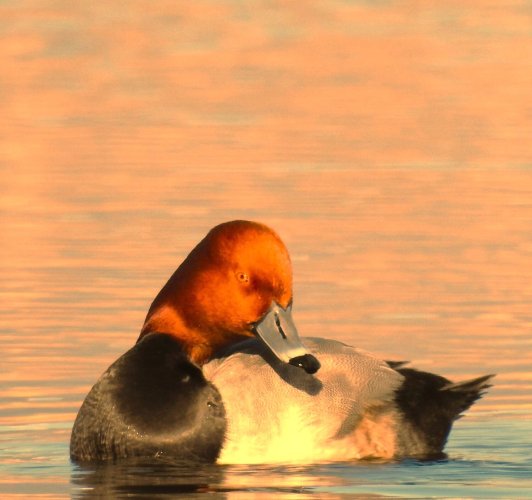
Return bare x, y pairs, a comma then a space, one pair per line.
278, 331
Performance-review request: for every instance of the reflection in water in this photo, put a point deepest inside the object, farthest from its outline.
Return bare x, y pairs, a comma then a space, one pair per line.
495, 470
137, 478
158, 479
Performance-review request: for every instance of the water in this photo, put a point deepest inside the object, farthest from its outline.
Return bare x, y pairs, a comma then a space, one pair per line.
387, 143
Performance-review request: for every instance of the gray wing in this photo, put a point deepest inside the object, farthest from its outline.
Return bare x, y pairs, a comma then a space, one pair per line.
256, 387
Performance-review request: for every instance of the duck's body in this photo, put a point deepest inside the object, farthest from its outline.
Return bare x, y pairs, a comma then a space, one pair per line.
279, 413
356, 406
193, 388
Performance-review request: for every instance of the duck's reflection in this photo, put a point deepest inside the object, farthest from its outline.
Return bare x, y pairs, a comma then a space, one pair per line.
141, 479
136, 478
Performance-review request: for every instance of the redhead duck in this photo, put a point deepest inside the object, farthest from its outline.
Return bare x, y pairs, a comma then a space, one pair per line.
219, 374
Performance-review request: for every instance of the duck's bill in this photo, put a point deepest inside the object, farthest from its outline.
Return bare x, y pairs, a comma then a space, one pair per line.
277, 330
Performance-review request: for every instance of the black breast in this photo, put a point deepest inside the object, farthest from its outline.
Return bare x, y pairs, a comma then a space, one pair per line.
151, 402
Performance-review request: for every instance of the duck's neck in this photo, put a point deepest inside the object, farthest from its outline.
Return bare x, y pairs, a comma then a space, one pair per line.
196, 344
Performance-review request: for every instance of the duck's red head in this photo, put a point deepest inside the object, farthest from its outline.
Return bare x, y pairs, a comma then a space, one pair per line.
236, 283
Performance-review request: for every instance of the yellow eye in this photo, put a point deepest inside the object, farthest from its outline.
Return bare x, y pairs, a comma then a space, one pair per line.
242, 277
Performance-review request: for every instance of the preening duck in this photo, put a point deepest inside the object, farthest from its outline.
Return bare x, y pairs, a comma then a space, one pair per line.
220, 374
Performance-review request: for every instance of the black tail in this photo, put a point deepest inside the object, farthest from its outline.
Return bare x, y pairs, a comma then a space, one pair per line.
465, 393
430, 403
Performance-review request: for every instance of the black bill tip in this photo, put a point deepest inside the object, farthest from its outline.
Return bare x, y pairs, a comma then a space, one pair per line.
307, 362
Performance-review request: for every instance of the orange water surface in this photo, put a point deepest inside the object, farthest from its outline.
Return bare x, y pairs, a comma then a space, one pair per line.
388, 143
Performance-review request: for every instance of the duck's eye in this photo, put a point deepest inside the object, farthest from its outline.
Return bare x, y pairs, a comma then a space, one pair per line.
242, 277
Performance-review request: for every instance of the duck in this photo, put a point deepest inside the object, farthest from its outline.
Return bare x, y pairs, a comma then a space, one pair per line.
219, 374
